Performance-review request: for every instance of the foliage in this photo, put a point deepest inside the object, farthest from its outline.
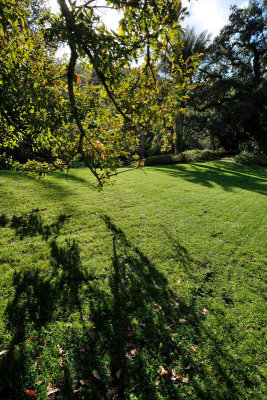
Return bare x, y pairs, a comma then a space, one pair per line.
230, 101
193, 49
121, 289
31, 86
188, 156
53, 112
251, 158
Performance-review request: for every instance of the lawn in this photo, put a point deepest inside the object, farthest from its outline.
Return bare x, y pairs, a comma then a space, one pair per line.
151, 289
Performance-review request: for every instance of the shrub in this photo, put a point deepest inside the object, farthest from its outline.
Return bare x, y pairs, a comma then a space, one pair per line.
251, 157
159, 160
188, 156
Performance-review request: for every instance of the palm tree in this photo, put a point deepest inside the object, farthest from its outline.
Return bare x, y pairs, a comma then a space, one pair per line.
194, 43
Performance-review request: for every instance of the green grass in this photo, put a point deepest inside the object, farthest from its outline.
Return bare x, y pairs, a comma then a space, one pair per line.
162, 271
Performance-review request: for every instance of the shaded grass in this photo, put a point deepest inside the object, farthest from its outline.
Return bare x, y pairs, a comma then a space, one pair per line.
163, 269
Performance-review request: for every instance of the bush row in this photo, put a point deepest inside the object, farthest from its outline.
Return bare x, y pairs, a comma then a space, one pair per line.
251, 157
186, 157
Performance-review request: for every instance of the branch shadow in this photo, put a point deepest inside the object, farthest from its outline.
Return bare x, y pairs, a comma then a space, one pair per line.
40, 296
32, 224
220, 173
132, 337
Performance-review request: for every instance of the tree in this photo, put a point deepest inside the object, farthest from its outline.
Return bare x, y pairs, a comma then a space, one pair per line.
194, 45
94, 119
230, 102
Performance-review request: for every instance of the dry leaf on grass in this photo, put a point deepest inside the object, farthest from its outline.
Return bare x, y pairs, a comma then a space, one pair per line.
60, 350
134, 351
204, 311
163, 371
84, 382
51, 390
182, 321
112, 394
177, 377
78, 390
3, 352
96, 374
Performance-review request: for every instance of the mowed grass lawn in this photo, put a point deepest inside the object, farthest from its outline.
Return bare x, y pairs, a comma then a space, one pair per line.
152, 289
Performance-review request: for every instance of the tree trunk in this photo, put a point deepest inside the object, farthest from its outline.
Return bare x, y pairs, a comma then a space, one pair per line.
179, 130
142, 146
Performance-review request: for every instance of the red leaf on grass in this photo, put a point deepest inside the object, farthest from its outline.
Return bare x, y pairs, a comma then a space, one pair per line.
30, 393
163, 371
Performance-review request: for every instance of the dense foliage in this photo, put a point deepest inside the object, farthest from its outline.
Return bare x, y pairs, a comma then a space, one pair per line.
230, 103
52, 115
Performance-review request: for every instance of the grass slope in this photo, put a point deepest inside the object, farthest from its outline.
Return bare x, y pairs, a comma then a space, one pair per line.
152, 289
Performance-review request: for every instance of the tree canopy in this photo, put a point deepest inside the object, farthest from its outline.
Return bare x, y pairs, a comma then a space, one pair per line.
60, 116
230, 101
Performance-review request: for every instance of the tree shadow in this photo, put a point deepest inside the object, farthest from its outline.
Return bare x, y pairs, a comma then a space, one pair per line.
147, 335
220, 173
41, 296
32, 224
126, 334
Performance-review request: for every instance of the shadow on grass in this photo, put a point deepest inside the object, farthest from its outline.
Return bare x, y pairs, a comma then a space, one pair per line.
121, 335
41, 295
52, 182
224, 174
32, 224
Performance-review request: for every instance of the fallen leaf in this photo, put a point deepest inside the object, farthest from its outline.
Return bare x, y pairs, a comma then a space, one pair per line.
173, 377
78, 390
96, 374
118, 373
192, 348
30, 393
163, 371
204, 311
112, 394
84, 382
134, 352
160, 345
182, 320
60, 351
157, 383
50, 390
3, 352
